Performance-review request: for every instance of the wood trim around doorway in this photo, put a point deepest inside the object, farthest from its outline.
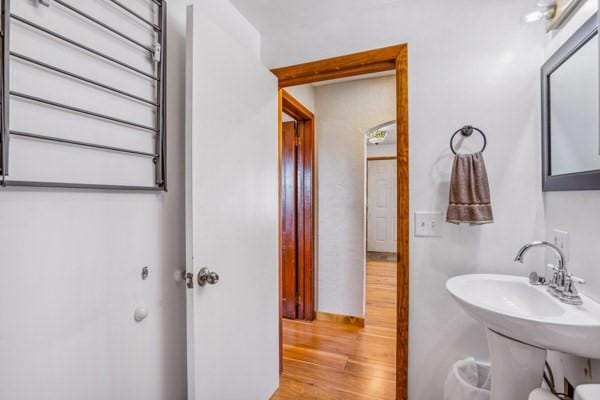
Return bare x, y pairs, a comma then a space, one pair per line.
305, 213
365, 62
394, 58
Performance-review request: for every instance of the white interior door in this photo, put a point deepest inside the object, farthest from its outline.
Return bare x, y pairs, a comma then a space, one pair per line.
381, 206
231, 216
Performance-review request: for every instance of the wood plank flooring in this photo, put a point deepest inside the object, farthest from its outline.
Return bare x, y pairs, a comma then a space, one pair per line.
330, 361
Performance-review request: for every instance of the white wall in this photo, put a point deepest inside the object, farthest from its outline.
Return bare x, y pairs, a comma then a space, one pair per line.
576, 213
469, 62
305, 94
71, 263
344, 112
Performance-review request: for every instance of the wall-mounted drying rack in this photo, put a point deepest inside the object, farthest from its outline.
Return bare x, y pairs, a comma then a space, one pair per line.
467, 131
155, 53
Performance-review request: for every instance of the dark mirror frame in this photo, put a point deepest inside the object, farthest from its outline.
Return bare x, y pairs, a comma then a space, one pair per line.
587, 180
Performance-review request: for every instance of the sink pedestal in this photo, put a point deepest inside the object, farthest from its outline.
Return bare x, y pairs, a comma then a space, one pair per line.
517, 368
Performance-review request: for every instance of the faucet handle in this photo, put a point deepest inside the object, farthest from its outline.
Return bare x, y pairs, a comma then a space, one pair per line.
576, 279
570, 294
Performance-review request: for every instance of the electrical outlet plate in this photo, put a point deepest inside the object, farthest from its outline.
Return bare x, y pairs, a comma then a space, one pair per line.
428, 223
560, 239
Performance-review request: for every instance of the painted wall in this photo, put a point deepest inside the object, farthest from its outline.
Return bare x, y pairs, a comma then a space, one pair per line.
71, 260
344, 112
574, 212
305, 94
487, 74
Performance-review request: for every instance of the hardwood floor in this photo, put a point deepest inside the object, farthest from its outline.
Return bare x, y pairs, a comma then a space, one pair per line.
331, 361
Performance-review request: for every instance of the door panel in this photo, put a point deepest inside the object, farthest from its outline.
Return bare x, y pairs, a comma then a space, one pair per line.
289, 226
231, 216
381, 206
381, 237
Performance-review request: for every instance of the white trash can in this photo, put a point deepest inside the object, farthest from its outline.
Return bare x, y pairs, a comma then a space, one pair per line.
468, 380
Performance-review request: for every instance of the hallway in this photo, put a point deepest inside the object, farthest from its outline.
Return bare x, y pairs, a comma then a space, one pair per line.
326, 360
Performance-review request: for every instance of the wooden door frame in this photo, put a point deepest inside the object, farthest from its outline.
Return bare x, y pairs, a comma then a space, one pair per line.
305, 221
393, 58
294, 108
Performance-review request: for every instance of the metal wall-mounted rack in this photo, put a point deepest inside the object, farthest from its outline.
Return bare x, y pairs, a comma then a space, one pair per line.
157, 53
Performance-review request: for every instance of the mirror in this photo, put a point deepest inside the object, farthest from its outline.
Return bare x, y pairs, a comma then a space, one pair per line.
571, 113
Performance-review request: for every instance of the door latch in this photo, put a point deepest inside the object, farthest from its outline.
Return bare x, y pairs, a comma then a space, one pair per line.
189, 279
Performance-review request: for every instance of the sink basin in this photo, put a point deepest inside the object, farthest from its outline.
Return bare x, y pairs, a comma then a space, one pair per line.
523, 321
512, 307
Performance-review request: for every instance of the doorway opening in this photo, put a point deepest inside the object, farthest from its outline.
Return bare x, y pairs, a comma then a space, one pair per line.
382, 239
381, 266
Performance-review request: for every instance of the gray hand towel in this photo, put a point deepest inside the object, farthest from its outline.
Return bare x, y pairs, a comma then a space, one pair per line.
469, 191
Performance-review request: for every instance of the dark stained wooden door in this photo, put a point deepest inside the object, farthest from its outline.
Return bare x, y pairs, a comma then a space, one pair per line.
289, 245
304, 220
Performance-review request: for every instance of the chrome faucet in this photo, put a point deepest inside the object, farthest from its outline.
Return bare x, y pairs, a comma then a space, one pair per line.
530, 245
562, 284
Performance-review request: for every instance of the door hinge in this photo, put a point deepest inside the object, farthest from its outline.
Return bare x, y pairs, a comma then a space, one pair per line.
298, 300
297, 131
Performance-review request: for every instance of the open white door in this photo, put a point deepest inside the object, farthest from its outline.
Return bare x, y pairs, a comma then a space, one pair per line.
231, 216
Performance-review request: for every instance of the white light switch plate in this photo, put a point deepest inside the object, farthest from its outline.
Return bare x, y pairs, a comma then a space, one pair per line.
560, 238
428, 223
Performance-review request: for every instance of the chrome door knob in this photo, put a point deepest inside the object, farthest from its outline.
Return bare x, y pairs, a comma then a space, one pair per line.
206, 276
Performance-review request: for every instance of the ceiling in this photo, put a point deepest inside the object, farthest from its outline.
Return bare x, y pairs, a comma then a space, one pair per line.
297, 31
275, 15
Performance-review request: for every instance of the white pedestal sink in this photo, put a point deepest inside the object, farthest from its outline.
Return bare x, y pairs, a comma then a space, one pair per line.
523, 321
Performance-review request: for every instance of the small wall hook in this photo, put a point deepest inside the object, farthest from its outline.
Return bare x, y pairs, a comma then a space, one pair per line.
466, 130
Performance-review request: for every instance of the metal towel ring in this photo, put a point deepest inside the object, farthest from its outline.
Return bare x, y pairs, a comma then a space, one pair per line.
467, 131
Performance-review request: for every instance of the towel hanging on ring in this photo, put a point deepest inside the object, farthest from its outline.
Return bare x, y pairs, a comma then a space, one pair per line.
469, 198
